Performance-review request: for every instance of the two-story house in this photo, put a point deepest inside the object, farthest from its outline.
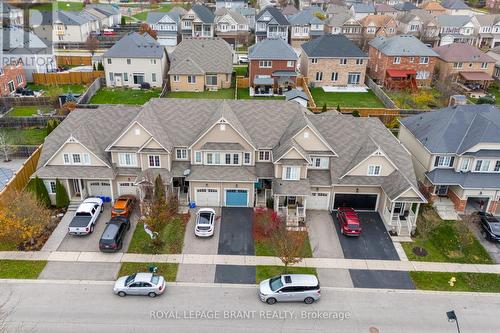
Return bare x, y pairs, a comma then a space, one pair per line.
385, 9
112, 13
135, 59
271, 23
231, 4
401, 62
199, 64
235, 153
456, 154
166, 27
432, 8
69, 26
248, 13
12, 76
377, 25
489, 31
362, 9
333, 60
346, 25
11, 15
272, 67
456, 7
198, 22
495, 54
232, 27
306, 25
457, 29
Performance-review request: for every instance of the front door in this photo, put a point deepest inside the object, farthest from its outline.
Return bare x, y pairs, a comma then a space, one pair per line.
442, 190
118, 80
75, 187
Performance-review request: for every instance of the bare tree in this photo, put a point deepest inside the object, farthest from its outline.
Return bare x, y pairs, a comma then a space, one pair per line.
288, 245
5, 148
92, 44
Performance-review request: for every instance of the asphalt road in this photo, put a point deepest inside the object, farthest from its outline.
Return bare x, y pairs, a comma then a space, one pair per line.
63, 307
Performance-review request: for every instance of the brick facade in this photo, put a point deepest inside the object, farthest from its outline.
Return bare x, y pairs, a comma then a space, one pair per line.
223, 81
379, 63
276, 65
446, 69
327, 66
459, 204
11, 78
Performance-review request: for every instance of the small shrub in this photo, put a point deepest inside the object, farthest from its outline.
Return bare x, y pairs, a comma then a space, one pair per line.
265, 222
62, 198
100, 66
270, 203
355, 113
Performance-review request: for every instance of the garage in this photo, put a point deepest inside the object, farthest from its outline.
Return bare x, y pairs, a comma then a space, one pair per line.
100, 188
127, 188
167, 41
356, 201
318, 200
236, 198
207, 197
476, 204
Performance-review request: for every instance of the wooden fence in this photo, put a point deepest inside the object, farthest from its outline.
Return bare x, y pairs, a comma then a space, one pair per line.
242, 82
22, 176
66, 77
303, 82
27, 122
63, 60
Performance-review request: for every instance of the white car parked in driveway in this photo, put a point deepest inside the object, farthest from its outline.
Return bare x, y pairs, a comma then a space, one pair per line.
205, 222
86, 216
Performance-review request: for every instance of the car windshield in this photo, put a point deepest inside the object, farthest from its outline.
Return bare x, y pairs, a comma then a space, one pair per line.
110, 232
204, 218
118, 210
155, 279
275, 283
83, 214
130, 279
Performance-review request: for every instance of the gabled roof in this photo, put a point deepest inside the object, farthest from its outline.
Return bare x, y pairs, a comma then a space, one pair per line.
295, 93
204, 14
402, 45
404, 6
454, 4
306, 16
106, 9
455, 129
289, 10
70, 18
462, 52
447, 20
363, 8
383, 8
378, 21
237, 17
272, 49
432, 6
487, 20
135, 45
155, 17
178, 10
275, 14
339, 19
210, 55
332, 46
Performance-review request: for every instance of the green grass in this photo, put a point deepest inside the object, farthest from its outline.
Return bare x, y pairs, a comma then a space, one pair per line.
169, 271
496, 92
27, 111
124, 96
241, 70
21, 269
25, 136
476, 282
345, 99
61, 5
444, 245
264, 248
219, 94
74, 88
422, 99
266, 272
7, 246
244, 93
162, 8
172, 235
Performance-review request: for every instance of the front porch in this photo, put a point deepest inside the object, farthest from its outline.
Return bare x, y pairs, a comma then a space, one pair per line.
292, 209
400, 217
397, 79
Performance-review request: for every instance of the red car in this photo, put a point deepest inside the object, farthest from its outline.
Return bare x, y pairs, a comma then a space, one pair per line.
349, 221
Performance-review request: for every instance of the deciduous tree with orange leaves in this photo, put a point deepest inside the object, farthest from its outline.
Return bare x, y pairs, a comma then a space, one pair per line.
145, 28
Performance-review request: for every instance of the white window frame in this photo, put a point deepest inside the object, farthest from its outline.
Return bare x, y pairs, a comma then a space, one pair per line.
156, 159
289, 63
86, 159
335, 76
191, 79
198, 157
397, 60
496, 167
131, 157
265, 64
374, 170
464, 166
247, 158
264, 156
73, 155
343, 61
66, 159
457, 65
484, 165
319, 76
319, 162
181, 154
176, 78
484, 65
424, 60
291, 172
444, 161
50, 185
314, 60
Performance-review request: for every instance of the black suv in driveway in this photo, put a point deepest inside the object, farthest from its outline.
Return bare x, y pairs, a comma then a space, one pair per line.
490, 225
114, 233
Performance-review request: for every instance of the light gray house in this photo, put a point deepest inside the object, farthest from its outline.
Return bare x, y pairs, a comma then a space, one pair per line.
166, 26
271, 23
198, 22
231, 4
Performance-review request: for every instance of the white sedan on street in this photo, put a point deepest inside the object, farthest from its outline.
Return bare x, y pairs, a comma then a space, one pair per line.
205, 222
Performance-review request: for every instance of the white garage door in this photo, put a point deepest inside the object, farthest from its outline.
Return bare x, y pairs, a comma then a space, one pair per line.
207, 197
127, 188
100, 188
318, 200
168, 41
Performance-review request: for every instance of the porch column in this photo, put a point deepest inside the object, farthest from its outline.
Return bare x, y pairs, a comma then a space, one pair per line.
80, 183
68, 189
276, 202
416, 212
392, 211
112, 194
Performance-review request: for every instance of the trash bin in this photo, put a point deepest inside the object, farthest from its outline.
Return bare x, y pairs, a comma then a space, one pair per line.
152, 268
192, 204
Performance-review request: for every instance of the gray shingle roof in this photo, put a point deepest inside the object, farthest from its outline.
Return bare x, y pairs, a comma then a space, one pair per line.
465, 180
272, 49
294, 93
455, 129
291, 187
454, 4
222, 146
332, 46
404, 6
339, 19
402, 45
221, 173
237, 17
135, 45
63, 172
446, 20
200, 56
203, 13
363, 8
275, 14
462, 52
154, 17
106, 9
70, 18
306, 16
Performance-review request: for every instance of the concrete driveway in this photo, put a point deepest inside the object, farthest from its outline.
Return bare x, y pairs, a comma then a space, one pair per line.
491, 247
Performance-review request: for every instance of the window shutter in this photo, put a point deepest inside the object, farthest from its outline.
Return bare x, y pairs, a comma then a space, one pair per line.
452, 160
436, 161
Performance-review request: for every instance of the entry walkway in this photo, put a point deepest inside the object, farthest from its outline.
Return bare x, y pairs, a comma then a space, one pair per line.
200, 259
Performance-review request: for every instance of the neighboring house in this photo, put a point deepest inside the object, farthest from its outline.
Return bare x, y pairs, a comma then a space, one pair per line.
166, 26
235, 153
272, 67
335, 9
289, 10
333, 60
306, 25
495, 54
456, 29
133, 60
11, 15
297, 96
346, 25
433, 8
231, 26
377, 25
11, 77
249, 14
456, 154
67, 26
401, 62
404, 7
231, 4
385, 9
466, 65
198, 22
456, 7
493, 5
198, 64
111, 12
271, 23
489, 31
360, 10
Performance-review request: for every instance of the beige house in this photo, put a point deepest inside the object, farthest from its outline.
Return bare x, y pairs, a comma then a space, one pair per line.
226, 153
456, 156
199, 64
333, 60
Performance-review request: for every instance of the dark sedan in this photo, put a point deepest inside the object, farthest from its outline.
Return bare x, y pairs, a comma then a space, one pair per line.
490, 225
114, 234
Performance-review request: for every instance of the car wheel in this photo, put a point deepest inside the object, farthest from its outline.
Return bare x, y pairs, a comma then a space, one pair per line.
271, 300
122, 294
152, 295
309, 300
91, 229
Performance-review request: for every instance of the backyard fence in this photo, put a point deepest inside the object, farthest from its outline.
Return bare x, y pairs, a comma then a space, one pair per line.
6, 103
242, 82
26, 122
63, 60
22, 151
386, 100
91, 90
22, 176
303, 81
66, 77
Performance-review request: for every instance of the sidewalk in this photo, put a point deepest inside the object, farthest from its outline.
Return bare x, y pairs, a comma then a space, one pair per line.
200, 259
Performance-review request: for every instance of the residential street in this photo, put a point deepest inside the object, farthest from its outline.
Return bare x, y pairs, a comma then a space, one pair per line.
91, 307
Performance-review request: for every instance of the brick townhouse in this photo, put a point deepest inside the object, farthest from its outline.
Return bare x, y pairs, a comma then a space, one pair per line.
11, 78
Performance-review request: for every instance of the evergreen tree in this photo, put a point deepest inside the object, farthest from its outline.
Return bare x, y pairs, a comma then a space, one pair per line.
62, 198
159, 191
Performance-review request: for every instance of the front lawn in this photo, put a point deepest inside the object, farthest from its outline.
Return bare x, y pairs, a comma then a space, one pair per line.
241, 70
124, 96
444, 242
162, 8
219, 94
345, 99
61, 5
172, 235
264, 248
25, 136
422, 99
477, 282
28, 111
244, 93
21, 269
73, 88
169, 271
266, 272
